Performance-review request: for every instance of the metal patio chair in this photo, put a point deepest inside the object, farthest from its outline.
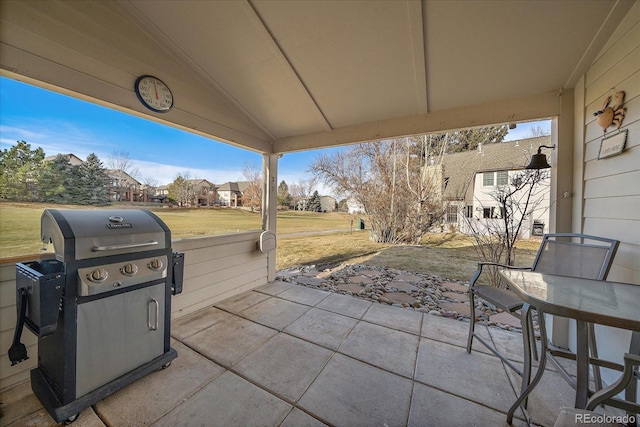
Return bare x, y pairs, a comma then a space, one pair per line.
627, 382
564, 254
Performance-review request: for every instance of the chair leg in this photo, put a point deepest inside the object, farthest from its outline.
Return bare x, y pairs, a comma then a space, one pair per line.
532, 335
472, 322
593, 350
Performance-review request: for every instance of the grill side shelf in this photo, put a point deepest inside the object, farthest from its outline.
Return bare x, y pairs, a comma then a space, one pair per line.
44, 282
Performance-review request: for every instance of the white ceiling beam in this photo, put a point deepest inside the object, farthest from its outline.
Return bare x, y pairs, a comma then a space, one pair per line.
529, 108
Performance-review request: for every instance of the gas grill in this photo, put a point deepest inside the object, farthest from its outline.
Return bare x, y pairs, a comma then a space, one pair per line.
101, 308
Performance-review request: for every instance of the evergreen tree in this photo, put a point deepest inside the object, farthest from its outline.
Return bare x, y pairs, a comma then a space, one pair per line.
57, 179
314, 204
284, 198
20, 171
91, 183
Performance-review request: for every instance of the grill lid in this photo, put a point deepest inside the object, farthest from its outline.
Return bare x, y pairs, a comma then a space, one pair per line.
91, 233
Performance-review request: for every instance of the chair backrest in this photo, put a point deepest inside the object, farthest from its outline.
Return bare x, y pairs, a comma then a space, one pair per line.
575, 255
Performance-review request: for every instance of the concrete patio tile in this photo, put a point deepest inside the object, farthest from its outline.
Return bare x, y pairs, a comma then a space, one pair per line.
476, 376
351, 393
508, 343
275, 313
298, 418
345, 305
274, 288
18, 402
453, 331
228, 342
284, 365
241, 302
228, 401
20, 407
545, 401
403, 319
385, 348
322, 327
186, 326
431, 407
303, 295
151, 397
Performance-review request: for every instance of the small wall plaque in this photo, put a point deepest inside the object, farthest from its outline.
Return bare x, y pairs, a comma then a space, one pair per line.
613, 145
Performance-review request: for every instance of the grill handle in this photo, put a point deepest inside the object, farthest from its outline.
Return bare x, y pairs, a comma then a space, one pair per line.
124, 246
157, 310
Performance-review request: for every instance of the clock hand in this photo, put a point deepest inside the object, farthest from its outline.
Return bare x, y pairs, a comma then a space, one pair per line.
156, 89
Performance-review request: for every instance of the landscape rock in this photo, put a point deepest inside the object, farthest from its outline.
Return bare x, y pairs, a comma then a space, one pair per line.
414, 291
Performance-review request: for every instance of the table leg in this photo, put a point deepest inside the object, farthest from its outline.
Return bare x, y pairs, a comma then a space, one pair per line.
526, 311
582, 365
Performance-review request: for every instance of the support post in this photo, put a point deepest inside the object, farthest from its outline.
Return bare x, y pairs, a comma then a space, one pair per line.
270, 205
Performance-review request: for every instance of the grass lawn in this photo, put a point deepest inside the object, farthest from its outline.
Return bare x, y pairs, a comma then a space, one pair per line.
20, 223
444, 254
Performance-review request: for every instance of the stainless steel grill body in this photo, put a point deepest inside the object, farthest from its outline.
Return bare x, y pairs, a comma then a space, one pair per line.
101, 308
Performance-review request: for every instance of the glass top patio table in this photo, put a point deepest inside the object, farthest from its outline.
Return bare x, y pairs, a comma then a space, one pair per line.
595, 301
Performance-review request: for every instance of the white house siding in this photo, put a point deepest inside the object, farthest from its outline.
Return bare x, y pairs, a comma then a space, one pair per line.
216, 267
609, 195
482, 199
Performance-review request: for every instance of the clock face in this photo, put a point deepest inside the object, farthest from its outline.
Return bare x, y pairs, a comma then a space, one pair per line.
154, 94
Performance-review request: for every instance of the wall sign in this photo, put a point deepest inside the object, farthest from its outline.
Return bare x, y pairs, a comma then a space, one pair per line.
613, 145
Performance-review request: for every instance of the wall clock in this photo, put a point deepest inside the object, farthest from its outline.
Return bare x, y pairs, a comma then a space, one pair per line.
154, 94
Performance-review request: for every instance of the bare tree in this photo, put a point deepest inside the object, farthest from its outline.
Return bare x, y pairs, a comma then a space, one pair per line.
301, 192
124, 174
537, 130
252, 195
496, 236
394, 181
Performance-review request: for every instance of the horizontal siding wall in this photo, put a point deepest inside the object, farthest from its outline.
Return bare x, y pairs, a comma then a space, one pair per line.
216, 267
611, 197
610, 202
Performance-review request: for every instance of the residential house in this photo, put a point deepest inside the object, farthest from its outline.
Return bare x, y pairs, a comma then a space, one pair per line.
471, 177
72, 158
230, 193
327, 204
125, 188
204, 192
354, 207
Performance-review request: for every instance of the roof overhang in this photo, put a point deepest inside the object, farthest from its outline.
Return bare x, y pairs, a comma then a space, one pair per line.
279, 76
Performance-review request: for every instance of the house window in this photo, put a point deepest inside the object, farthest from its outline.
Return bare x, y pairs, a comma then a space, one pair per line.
502, 178
452, 214
468, 211
486, 212
487, 179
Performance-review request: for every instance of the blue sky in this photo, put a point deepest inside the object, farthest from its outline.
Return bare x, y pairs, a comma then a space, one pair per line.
62, 124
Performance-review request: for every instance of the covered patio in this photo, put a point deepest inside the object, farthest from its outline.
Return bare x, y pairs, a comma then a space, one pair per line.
288, 355
277, 77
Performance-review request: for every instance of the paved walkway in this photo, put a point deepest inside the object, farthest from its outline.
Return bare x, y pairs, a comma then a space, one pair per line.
288, 355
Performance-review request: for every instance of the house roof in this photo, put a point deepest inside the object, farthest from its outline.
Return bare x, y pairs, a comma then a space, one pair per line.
199, 183
281, 76
122, 175
236, 187
461, 168
73, 159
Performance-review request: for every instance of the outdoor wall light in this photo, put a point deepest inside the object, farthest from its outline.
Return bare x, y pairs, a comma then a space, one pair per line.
539, 161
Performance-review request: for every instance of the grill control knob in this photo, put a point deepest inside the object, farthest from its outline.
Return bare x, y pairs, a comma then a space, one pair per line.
98, 275
129, 269
155, 264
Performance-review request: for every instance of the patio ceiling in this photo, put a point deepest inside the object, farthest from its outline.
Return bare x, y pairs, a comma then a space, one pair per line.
276, 76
